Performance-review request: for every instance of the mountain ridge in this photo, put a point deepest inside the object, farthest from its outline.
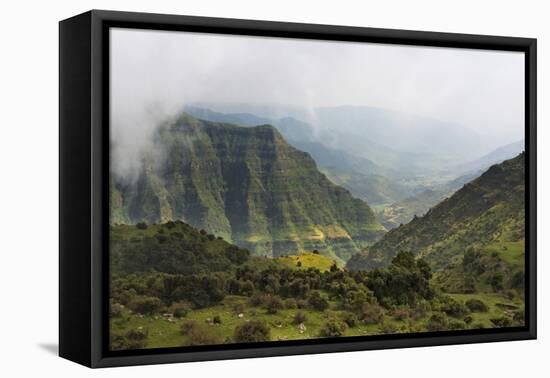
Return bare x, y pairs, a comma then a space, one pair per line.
247, 185
488, 209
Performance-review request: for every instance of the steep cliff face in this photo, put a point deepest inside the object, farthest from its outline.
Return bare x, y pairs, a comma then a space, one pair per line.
247, 185
487, 210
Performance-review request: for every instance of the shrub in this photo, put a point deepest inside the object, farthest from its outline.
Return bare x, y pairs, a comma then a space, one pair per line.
299, 317
476, 305
161, 238
468, 319
333, 328
501, 322
299, 264
136, 335
274, 304
371, 314
497, 281
257, 299
453, 308
291, 303
317, 302
170, 224
388, 328
180, 309
237, 308
115, 309
437, 322
201, 336
145, 305
141, 225
119, 342
400, 313
519, 317
518, 280
217, 320
456, 324
187, 326
350, 319
420, 310
252, 332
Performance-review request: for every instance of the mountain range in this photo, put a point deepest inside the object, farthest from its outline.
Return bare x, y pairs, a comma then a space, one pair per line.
246, 185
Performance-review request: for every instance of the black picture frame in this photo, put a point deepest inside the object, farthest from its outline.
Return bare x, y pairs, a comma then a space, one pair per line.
83, 181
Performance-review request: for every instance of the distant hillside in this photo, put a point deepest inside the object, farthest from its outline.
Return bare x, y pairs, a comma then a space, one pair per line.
247, 185
489, 209
403, 211
494, 157
365, 179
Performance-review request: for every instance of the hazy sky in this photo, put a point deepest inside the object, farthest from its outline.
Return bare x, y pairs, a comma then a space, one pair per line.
159, 70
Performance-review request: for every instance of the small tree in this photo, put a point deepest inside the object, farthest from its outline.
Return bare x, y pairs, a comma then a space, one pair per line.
274, 304
316, 301
333, 328
252, 332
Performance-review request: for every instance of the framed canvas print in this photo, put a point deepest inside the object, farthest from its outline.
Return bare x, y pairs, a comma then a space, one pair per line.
235, 188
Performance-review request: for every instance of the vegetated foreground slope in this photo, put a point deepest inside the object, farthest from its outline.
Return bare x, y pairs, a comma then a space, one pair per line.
247, 185
488, 210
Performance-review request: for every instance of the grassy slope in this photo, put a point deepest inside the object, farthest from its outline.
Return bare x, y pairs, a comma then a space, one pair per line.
307, 260
165, 333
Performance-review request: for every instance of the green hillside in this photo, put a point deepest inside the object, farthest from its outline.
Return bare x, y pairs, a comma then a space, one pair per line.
173, 247
488, 210
247, 185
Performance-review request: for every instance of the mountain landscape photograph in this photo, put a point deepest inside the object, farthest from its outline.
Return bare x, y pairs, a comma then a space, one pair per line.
271, 189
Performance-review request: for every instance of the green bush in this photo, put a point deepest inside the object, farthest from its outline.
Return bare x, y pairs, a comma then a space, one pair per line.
274, 304
400, 313
299, 317
350, 319
291, 304
455, 324
145, 305
453, 307
333, 328
258, 299
141, 225
180, 309
502, 322
252, 332
371, 314
217, 320
187, 326
201, 336
437, 322
476, 305
317, 302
